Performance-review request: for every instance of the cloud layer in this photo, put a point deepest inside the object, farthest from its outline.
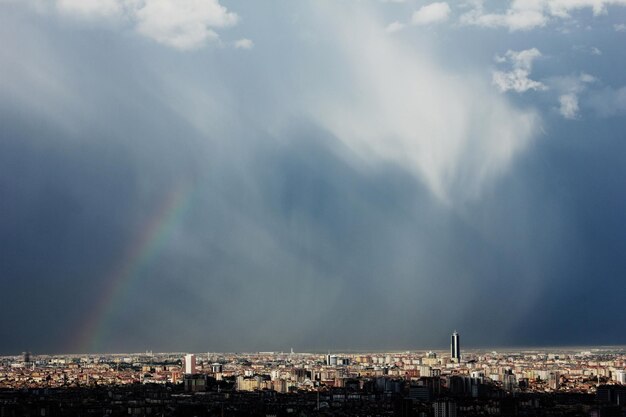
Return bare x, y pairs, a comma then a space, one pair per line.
182, 24
526, 15
457, 136
337, 179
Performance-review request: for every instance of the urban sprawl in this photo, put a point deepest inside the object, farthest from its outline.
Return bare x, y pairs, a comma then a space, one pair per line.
555, 382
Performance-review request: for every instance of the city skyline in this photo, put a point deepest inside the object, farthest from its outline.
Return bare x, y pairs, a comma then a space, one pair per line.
439, 349
183, 175
405, 384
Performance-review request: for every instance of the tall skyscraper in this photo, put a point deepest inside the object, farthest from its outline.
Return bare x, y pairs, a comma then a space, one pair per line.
190, 364
455, 347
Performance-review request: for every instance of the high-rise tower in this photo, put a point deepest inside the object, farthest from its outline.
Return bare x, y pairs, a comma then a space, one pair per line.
455, 347
190, 364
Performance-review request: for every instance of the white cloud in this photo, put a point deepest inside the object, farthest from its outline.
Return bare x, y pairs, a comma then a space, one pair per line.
530, 14
518, 79
402, 108
500, 59
521, 16
394, 27
523, 59
621, 27
569, 105
183, 24
432, 13
244, 44
562, 8
570, 88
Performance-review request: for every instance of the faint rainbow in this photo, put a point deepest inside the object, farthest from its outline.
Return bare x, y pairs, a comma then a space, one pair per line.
139, 254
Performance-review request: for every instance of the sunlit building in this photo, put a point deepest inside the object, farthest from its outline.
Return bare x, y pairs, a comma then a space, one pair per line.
190, 364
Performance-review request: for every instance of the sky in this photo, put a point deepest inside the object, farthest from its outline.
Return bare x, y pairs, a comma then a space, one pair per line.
228, 175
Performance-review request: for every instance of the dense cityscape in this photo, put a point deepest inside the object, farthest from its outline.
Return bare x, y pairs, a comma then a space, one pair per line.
529, 382
230, 208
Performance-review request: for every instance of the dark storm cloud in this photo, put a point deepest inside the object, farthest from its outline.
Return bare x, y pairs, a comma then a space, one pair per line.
288, 239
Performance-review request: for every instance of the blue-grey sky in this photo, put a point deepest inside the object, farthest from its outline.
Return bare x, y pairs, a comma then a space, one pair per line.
196, 175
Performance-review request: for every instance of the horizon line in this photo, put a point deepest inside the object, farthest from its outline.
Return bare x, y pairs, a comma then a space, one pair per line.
347, 351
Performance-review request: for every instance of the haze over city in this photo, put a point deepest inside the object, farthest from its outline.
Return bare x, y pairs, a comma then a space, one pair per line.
242, 176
